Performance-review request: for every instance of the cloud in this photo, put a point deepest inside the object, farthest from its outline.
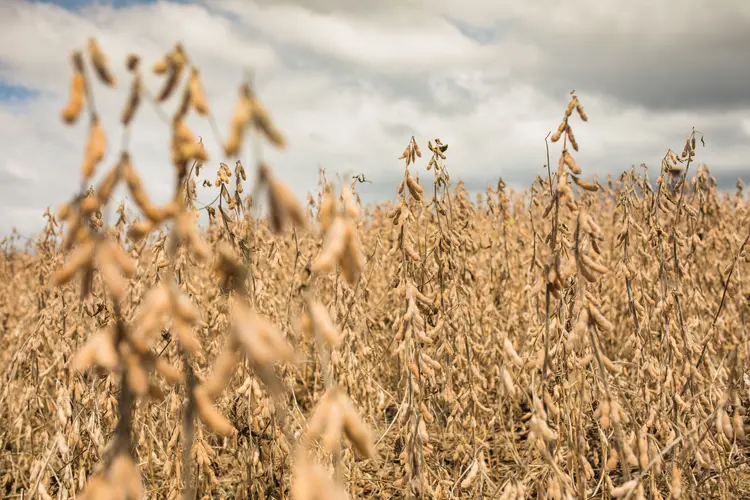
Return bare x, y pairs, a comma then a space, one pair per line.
665, 55
389, 44
349, 85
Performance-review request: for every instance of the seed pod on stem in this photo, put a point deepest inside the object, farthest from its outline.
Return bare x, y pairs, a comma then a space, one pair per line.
99, 61
77, 95
95, 148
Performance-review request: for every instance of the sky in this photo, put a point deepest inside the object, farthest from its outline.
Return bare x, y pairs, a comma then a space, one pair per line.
349, 83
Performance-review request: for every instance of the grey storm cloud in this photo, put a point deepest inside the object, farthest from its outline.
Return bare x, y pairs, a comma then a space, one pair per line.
679, 55
681, 72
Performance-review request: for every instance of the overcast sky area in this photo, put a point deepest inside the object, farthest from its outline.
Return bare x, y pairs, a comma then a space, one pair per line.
350, 81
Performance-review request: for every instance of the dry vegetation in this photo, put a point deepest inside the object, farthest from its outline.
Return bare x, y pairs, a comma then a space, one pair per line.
581, 339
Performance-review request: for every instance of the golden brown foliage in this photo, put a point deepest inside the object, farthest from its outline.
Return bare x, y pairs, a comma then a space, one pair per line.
574, 340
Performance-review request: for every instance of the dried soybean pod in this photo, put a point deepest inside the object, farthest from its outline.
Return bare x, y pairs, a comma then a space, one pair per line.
77, 95
99, 61
175, 63
197, 96
95, 148
134, 99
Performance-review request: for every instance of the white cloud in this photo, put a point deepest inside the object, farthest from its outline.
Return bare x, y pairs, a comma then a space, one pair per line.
402, 43
347, 85
745, 124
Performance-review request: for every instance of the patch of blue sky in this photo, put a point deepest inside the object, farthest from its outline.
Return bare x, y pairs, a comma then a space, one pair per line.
80, 4
480, 34
16, 93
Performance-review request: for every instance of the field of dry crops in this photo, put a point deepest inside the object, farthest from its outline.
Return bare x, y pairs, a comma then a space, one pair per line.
583, 338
